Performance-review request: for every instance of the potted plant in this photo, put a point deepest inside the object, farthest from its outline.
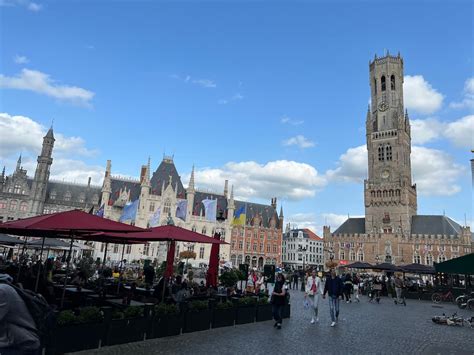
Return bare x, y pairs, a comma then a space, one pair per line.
223, 314
264, 309
76, 331
246, 310
127, 326
167, 321
197, 317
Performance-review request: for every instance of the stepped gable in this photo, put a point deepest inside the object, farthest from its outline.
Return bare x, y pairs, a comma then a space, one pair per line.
198, 207
72, 194
352, 226
266, 212
118, 184
433, 225
162, 174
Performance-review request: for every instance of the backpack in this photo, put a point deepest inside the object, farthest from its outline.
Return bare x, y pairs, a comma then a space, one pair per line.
41, 312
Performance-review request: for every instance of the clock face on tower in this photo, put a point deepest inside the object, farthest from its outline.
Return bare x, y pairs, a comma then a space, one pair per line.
385, 174
383, 106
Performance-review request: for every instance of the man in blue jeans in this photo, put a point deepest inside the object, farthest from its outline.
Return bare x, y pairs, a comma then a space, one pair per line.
334, 288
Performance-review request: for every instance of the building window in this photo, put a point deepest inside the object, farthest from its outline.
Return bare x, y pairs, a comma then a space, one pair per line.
193, 229
241, 244
429, 259
417, 258
82, 198
254, 247
52, 195
361, 256
102, 247
201, 253
261, 247
115, 248
352, 256
383, 82
341, 255
247, 246
3, 204
375, 86
268, 248
275, 248
17, 189
388, 152
167, 207
152, 207
203, 230
441, 258
67, 196
241, 232
392, 82
381, 158
129, 249
146, 249
13, 205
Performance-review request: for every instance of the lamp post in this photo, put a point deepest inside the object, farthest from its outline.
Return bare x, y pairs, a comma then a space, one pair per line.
302, 249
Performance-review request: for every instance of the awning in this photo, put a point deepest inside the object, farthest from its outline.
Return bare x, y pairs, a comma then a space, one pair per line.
9, 240
386, 267
418, 269
464, 265
359, 265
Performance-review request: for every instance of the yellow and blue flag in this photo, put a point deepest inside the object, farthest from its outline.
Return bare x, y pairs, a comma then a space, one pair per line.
240, 216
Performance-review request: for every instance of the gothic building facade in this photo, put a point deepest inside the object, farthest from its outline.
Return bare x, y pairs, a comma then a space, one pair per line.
392, 231
22, 196
164, 191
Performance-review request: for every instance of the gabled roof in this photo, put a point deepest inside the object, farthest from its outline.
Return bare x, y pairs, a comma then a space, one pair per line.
312, 235
352, 226
266, 212
307, 233
434, 225
117, 184
198, 207
162, 175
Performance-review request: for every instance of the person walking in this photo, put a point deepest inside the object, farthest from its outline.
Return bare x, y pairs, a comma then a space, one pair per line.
295, 280
356, 286
348, 287
334, 288
278, 300
313, 290
18, 332
399, 290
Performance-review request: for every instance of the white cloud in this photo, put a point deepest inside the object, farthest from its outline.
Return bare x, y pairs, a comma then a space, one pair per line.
235, 97
424, 131
300, 141
420, 96
461, 132
32, 6
316, 222
351, 167
282, 178
41, 83
73, 170
20, 59
434, 172
205, 83
468, 100
293, 122
23, 134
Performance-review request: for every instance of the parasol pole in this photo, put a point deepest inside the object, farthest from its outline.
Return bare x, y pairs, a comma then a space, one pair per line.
121, 266
68, 260
164, 274
19, 258
39, 265
105, 256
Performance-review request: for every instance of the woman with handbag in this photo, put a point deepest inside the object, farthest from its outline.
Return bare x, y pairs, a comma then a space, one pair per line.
313, 290
278, 300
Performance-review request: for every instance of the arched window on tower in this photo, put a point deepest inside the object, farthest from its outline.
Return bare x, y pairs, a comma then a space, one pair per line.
392, 82
381, 157
375, 86
383, 82
388, 152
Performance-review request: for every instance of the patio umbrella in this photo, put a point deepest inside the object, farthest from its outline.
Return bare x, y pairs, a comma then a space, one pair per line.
463, 265
359, 265
9, 240
213, 271
50, 243
418, 269
386, 267
70, 224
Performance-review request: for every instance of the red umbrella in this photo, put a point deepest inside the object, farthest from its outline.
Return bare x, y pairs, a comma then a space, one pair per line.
170, 259
213, 271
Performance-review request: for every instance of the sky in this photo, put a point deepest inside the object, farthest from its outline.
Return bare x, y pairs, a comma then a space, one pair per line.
271, 95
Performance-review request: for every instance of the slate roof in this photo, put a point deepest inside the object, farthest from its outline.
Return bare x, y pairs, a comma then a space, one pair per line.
162, 174
266, 212
199, 207
352, 226
76, 190
434, 225
117, 184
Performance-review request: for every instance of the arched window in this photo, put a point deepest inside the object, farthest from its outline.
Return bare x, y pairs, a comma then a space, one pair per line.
352, 256
193, 229
3, 204
429, 259
372, 193
383, 82
379, 193
388, 152
381, 151
23, 206
384, 193
203, 230
239, 259
167, 207
360, 256
392, 82
13, 205
233, 260
67, 196
416, 258
375, 86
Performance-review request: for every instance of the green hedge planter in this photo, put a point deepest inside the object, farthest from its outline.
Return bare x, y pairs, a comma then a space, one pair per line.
122, 331
166, 325
223, 317
75, 337
197, 320
264, 312
245, 314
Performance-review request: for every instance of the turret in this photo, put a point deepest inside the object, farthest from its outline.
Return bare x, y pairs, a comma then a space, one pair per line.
190, 195
226, 188
18, 164
107, 185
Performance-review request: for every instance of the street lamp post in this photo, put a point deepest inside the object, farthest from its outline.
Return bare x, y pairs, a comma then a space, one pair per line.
303, 250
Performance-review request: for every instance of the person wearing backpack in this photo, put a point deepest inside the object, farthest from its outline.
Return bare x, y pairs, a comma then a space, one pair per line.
18, 331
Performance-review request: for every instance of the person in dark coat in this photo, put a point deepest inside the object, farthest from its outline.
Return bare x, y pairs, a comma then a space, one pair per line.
334, 288
278, 300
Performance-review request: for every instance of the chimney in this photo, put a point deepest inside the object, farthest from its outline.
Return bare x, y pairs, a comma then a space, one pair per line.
89, 182
143, 173
226, 188
274, 202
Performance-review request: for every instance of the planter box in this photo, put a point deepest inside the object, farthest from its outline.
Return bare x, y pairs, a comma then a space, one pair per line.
223, 317
122, 331
76, 337
245, 314
264, 312
166, 325
286, 311
195, 321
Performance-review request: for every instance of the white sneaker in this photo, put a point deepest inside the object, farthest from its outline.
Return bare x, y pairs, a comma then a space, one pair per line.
312, 320
333, 324
347, 301
317, 320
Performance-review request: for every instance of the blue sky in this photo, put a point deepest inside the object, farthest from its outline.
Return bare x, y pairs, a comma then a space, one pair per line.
272, 95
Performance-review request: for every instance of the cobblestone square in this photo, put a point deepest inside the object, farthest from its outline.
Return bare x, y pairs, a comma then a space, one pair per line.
364, 328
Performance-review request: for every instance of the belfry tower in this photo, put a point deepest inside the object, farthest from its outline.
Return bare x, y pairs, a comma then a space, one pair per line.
40, 182
390, 198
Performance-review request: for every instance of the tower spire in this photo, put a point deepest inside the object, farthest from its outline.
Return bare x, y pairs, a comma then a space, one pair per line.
18, 163
191, 180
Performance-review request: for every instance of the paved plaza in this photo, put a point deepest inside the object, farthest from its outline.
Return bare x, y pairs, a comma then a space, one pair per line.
364, 328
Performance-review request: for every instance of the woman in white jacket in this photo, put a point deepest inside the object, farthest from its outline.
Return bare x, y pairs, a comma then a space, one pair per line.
313, 291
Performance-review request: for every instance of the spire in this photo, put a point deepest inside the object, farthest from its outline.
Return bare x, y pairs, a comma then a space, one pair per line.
2, 177
50, 133
226, 188
18, 163
191, 181
281, 212
148, 169
231, 191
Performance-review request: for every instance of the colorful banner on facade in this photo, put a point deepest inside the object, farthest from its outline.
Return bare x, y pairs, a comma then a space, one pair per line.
210, 208
240, 216
129, 212
155, 218
181, 209
100, 211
